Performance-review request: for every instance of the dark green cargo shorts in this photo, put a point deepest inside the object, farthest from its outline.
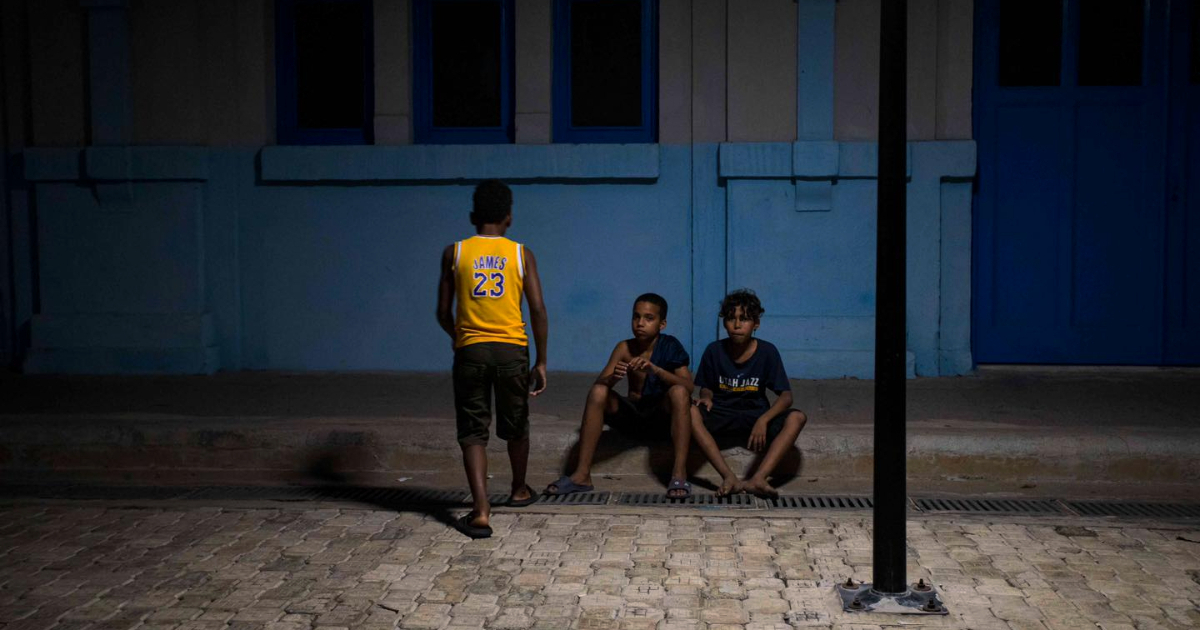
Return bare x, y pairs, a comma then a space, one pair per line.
480, 370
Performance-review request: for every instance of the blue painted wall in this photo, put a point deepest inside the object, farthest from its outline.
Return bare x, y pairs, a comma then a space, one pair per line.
189, 260
312, 258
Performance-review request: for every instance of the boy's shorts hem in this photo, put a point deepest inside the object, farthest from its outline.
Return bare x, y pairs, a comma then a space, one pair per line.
482, 370
724, 422
645, 418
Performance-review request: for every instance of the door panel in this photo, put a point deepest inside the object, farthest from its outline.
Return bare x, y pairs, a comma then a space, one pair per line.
1115, 228
1071, 262
1182, 345
1026, 217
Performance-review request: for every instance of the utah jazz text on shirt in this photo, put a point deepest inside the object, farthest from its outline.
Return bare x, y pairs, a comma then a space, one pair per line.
738, 384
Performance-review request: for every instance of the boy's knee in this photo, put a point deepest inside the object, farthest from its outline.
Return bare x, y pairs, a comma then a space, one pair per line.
598, 394
798, 418
678, 394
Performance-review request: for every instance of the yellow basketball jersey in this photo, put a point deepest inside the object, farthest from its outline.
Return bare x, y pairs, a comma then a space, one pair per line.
489, 279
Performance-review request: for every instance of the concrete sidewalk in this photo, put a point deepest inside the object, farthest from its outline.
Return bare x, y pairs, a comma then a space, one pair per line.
297, 567
1009, 427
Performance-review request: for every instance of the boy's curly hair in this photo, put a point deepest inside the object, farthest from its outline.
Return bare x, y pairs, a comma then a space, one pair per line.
491, 202
744, 298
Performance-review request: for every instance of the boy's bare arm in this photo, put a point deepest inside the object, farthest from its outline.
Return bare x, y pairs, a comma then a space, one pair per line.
445, 301
537, 319
782, 402
680, 376
758, 435
617, 364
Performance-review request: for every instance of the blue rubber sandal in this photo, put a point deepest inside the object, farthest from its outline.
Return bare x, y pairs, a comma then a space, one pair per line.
529, 500
679, 484
564, 485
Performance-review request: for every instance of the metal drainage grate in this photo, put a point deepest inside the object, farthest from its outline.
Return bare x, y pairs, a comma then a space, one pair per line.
820, 503
1112, 508
577, 498
660, 499
990, 506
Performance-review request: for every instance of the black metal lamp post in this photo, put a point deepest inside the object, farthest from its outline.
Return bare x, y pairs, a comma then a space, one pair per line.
889, 590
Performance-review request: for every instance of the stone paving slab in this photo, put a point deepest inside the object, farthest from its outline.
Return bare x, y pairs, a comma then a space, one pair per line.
314, 566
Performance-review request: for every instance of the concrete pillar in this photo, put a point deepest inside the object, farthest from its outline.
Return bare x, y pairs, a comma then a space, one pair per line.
814, 66
108, 70
674, 71
955, 30
393, 72
57, 72
761, 77
533, 66
708, 70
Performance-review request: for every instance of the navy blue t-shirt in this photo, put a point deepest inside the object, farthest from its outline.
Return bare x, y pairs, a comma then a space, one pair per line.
669, 355
742, 386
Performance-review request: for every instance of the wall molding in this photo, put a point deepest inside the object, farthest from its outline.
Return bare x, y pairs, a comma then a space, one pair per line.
939, 228
427, 163
116, 164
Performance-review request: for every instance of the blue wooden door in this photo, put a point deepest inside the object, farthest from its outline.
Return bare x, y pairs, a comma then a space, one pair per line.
1182, 345
1074, 260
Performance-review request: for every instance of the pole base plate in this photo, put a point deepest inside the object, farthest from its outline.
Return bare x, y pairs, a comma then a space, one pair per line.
862, 597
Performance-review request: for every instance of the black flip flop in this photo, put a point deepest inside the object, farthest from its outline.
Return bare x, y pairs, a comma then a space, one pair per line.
518, 503
464, 526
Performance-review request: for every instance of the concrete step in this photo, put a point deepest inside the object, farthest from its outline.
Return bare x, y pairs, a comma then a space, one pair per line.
243, 450
1011, 427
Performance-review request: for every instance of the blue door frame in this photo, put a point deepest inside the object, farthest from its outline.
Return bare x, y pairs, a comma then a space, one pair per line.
1081, 252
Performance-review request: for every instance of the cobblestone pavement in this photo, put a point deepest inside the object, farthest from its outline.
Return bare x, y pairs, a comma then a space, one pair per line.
183, 566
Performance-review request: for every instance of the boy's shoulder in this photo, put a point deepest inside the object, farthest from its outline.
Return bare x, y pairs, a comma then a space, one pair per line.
668, 341
763, 344
767, 351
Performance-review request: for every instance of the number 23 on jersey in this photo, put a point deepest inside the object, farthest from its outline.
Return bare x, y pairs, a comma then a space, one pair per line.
488, 285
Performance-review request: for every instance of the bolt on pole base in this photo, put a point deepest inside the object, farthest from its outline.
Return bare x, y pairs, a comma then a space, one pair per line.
919, 599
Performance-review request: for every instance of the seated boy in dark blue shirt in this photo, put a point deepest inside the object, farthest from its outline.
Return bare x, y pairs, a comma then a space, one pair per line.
734, 376
658, 402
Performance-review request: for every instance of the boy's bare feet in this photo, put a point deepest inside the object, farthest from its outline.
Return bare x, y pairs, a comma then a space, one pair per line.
759, 488
730, 485
474, 525
480, 520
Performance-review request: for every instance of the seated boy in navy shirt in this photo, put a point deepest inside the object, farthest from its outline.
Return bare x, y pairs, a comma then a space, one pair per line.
734, 376
658, 406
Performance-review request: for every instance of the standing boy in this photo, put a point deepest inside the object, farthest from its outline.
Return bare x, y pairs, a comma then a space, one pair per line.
658, 404
734, 376
487, 274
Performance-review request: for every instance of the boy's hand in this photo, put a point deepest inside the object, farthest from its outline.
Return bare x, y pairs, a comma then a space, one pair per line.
538, 380
619, 371
639, 364
704, 402
758, 436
